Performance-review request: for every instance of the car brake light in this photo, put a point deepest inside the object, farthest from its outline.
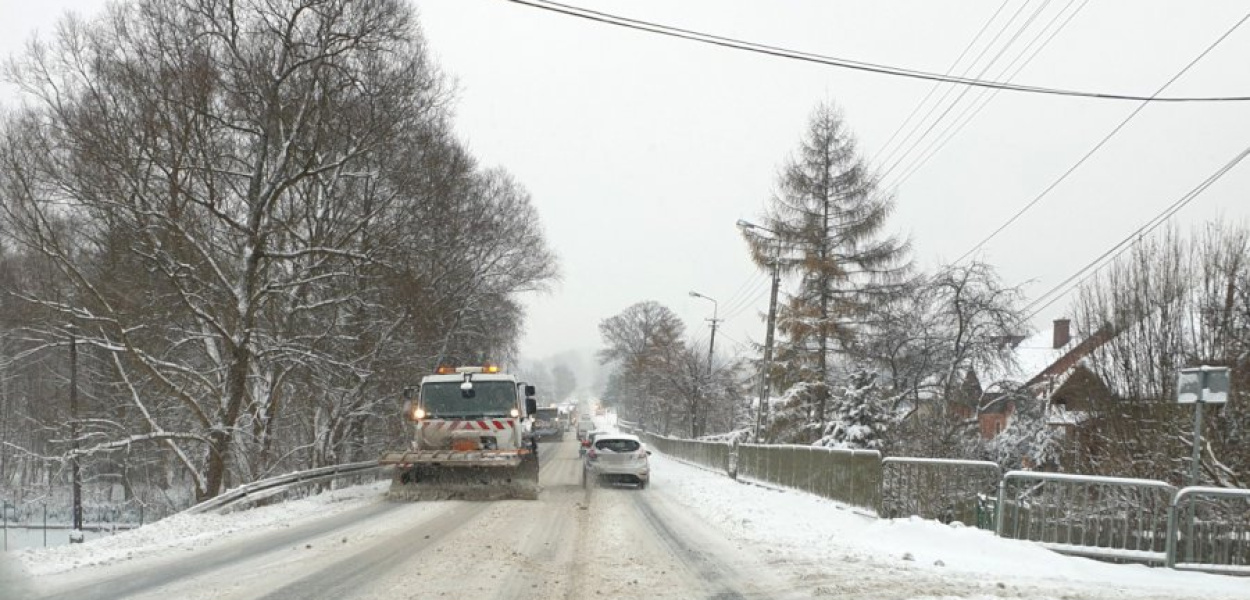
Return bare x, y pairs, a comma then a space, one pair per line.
591, 455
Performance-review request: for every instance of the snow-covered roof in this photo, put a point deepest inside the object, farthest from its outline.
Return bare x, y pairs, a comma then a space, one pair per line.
1029, 358
1057, 415
1036, 353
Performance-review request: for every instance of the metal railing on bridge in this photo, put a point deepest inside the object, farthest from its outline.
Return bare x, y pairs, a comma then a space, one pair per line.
1108, 518
849, 476
713, 455
1209, 530
1111, 518
938, 488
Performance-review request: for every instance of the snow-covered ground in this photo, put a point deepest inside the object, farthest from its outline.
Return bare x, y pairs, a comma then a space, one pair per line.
16, 538
822, 539
814, 547
182, 531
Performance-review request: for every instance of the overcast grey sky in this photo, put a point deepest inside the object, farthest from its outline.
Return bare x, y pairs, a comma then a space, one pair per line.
642, 151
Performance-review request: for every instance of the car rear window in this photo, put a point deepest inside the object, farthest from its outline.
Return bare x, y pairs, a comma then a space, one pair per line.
618, 445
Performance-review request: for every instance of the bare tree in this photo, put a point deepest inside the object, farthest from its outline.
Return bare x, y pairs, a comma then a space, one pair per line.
643, 341
1174, 301
256, 211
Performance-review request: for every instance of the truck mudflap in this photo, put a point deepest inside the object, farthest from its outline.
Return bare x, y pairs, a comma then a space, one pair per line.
470, 475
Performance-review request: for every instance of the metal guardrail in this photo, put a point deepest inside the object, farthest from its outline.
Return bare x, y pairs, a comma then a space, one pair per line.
1110, 518
937, 488
266, 488
1209, 530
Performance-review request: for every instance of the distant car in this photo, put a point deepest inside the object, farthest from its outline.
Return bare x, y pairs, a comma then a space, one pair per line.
590, 438
547, 425
584, 427
616, 458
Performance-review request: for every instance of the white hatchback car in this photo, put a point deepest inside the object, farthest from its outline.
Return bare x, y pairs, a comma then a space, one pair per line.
617, 458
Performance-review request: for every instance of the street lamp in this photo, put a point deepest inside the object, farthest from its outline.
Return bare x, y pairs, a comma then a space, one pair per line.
711, 345
711, 348
766, 365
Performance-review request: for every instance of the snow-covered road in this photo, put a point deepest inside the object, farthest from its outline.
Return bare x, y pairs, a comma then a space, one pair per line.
693, 534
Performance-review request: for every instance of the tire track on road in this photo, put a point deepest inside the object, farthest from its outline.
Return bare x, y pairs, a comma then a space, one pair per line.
347, 577
725, 582
694, 559
544, 562
354, 574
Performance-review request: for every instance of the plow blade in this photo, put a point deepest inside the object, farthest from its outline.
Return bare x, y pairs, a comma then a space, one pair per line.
475, 475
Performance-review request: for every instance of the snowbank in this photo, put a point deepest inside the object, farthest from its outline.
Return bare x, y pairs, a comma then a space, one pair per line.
183, 531
822, 535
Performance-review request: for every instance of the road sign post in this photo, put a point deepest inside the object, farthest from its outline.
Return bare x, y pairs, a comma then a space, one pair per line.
1198, 386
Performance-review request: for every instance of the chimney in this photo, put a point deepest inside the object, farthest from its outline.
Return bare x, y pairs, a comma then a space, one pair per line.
1063, 333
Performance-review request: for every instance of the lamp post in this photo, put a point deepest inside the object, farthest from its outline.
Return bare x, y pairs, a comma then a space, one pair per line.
766, 366
711, 343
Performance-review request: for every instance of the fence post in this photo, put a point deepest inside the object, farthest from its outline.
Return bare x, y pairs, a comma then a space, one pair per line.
852, 478
1170, 548
1000, 508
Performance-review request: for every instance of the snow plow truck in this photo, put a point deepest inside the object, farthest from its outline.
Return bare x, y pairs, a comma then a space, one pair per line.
471, 439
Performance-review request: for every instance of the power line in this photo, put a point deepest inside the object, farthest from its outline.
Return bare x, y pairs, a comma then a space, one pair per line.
1118, 249
963, 91
1101, 142
748, 300
735, 341
747, 288
934, 88
752, 302
737, 44
973, 109
953, 131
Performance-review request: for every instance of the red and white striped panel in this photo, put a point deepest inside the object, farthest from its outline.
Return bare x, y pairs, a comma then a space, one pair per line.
479, 425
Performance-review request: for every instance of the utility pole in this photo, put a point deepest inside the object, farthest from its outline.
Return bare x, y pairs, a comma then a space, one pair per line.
766, 384
770, 328
711, 343
76, 475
